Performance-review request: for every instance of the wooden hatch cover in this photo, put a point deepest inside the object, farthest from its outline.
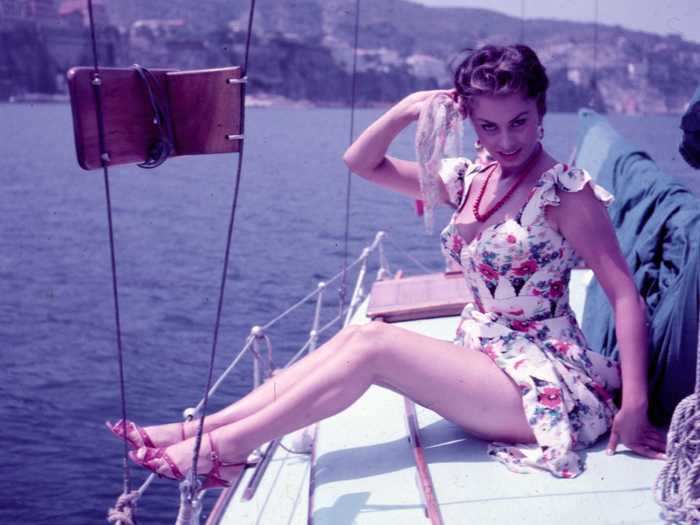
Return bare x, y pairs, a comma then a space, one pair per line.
418, 297
205, 111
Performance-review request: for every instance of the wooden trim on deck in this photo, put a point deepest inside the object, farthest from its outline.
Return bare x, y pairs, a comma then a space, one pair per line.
312, 478
222, 502
432, 507
260, 470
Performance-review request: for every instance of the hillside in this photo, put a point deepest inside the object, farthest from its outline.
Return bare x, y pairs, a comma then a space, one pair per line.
302, 50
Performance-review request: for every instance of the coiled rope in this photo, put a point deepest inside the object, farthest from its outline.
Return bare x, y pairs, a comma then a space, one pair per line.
677, 488
158, 152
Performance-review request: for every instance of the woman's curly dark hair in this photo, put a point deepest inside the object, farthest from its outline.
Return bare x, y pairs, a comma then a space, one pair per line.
502, 70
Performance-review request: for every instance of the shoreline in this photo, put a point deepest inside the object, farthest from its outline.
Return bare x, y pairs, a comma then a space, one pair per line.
252, 101
270, 101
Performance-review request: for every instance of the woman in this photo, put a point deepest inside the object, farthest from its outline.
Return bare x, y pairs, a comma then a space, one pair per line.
521, 368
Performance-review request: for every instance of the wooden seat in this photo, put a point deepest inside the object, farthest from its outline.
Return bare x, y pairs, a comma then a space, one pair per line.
205, 109
418, 297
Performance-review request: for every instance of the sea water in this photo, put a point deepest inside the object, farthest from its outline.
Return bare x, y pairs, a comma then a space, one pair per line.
59, 378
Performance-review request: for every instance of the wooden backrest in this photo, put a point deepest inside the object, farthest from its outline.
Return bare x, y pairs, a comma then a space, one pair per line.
205, 107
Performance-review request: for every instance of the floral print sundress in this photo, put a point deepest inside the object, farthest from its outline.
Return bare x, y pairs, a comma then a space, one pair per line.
518, 273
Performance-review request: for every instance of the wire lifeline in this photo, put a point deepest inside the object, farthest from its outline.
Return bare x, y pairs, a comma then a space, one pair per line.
104, 158
222, 287
190, 413
348, 187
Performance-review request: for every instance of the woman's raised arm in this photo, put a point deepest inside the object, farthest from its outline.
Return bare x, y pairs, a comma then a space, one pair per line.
367, 155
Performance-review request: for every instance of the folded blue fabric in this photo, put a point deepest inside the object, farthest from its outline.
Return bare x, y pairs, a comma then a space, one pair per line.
657, 220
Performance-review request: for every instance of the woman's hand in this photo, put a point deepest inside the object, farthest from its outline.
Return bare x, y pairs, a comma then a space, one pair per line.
631, 427
411, 105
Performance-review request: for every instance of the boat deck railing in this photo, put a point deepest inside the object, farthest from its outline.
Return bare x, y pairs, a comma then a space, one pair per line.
259, 344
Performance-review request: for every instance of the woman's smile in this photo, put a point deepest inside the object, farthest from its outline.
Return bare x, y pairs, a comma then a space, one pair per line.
509, 156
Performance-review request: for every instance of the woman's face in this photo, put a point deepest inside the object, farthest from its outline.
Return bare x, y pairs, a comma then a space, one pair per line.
506, 126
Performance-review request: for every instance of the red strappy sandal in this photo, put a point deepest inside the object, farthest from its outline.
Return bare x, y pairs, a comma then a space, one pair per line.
211, 479
157, 453
122, 431
118, 430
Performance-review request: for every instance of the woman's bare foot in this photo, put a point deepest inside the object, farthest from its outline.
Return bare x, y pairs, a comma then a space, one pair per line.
170, 433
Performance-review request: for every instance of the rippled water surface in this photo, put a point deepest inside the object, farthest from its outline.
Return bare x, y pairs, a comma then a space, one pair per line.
57, 338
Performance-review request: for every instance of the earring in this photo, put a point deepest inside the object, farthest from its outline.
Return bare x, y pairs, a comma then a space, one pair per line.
540, 131
477, 144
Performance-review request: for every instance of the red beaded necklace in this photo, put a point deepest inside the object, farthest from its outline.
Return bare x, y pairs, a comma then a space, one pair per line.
526, 170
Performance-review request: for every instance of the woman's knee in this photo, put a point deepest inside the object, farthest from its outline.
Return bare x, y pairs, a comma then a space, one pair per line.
349, 331
371, 339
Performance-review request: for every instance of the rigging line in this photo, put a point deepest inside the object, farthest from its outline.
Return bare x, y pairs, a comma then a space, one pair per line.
312, 294
104, 158
348, 187
229, 236
522, 21
410, 257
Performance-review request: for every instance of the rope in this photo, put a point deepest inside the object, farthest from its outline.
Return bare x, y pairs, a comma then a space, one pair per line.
292, 451
222, 286
123, 511
104, 158
165, 145
353, 89
677, 488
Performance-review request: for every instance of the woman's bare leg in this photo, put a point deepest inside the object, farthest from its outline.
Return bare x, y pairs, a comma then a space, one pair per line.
462, 385
265, 394
277, 385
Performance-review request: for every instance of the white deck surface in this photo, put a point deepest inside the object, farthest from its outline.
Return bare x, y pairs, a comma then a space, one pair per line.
281, 498
472, 488
365, 472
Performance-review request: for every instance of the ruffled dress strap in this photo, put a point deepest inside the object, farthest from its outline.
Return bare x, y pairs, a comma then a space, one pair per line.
560, 178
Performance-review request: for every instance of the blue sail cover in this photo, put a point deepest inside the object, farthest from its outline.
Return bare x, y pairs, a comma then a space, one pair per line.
657, 220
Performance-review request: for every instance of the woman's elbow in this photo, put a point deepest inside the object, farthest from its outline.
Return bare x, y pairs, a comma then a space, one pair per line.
357, 166
349, 160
